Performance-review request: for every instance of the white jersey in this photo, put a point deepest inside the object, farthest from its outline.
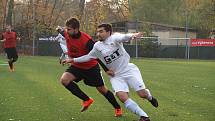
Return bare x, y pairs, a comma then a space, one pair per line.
111, 52
62, 42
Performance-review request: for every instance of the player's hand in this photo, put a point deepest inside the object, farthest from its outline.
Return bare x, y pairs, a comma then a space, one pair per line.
110, 72
67, 61
137, 35
3, 40
18, 38
62, 62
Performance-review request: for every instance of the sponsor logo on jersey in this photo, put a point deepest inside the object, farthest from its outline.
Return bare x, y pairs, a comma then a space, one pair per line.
112, 57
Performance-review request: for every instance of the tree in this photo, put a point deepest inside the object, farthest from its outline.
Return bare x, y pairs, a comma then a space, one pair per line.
3, 7
81, 7
159, 11
200, 13
10, 12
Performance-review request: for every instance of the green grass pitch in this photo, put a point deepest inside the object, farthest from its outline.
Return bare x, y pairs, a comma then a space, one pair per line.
185, 90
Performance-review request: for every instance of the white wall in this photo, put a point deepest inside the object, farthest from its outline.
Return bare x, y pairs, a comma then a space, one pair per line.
181, 34
165, 35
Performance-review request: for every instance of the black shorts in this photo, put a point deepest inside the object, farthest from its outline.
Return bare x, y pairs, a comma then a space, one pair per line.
91, 77
11, 53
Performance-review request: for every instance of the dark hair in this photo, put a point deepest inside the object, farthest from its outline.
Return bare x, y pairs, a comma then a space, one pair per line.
73, 23
107, 27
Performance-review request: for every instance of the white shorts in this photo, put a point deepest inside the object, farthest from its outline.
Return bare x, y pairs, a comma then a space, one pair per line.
131, 78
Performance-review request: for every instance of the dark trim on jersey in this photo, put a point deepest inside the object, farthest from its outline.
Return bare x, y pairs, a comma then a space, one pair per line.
62, 33
89, 47
103, 65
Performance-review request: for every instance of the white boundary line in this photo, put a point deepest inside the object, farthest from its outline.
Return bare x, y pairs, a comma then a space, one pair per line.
3, 64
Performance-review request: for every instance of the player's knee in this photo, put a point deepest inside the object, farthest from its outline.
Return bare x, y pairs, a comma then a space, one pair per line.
64, 81
123, 96
143, 93
10, 60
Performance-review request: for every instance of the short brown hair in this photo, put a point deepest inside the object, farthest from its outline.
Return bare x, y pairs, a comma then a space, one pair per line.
73, 23
107, 27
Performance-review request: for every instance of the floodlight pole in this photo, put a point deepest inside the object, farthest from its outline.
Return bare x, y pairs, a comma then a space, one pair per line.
187, 51
136, 40
34, 32
186, 35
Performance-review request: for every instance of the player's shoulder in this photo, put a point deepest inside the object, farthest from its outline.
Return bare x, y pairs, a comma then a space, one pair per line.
86, 35
98, 44
116, 34
60, 35
14, 31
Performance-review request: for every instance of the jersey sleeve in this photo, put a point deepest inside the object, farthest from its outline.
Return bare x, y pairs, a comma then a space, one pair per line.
103, 65
57, 37
117, 37
90, 45
62, 33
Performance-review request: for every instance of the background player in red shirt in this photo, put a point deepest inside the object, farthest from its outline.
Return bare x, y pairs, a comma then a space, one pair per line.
9, 39
79, 44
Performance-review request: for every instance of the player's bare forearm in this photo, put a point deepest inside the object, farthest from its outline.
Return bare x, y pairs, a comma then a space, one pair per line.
110, 72
137, 35
18, 38
3, 40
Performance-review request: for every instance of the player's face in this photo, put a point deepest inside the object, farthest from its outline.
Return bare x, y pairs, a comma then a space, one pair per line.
102, 34
8, 29
71, 31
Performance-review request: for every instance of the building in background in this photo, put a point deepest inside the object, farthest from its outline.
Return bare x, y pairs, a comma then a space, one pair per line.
163, 41
166, 34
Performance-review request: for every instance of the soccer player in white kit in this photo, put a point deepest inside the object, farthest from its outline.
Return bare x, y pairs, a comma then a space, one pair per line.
109, 49
60, 38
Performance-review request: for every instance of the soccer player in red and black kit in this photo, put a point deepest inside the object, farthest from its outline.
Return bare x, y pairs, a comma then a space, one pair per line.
9, 39
79, 44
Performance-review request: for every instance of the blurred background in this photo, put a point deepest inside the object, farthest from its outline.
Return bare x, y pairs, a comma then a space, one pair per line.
170, 25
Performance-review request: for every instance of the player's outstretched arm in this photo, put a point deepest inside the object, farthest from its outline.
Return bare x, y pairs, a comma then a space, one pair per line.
126, 37
2, 40
137, 35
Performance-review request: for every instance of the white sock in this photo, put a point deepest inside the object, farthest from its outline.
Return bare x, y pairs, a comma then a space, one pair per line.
133, 107
149, 97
